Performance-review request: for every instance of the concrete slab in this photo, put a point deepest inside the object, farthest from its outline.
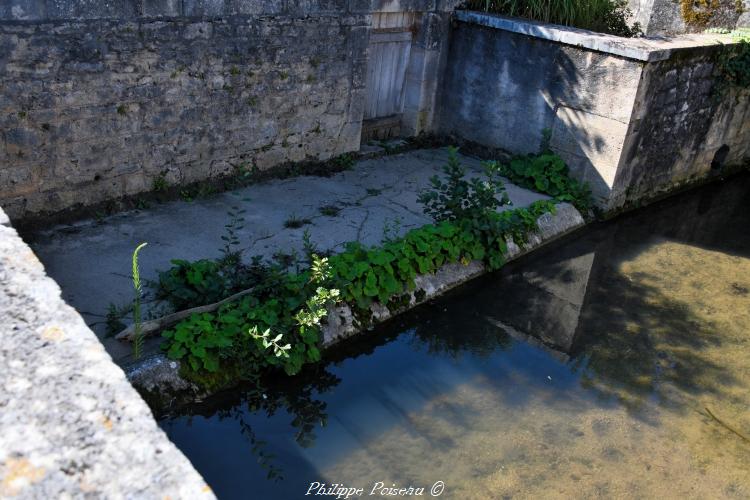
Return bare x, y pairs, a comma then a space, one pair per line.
91, 259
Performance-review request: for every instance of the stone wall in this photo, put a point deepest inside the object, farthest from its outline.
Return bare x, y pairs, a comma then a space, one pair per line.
72, 425
632, 117
100, 99
683, 127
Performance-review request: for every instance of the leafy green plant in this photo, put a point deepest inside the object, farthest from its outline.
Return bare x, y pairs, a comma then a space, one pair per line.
546, 173
188, 284
458, 198
308, 247
366, 275
137, 329
273, 329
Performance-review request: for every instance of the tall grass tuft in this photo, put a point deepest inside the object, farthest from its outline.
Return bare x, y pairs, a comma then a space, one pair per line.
605, 16
137, 329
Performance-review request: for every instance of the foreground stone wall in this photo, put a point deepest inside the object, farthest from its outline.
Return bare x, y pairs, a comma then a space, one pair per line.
631, 117
72, 425
102, 99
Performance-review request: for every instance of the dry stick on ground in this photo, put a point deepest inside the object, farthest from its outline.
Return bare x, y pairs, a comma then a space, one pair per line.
150, 327
726, 426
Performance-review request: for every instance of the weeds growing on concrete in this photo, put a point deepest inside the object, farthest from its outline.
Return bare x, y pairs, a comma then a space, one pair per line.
278, 324
114, 317
343, 162
231, 239
308, 247
294, 222
548, 174
391, 229
329, 210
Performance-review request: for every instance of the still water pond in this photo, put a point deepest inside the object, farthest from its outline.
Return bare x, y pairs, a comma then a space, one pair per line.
613, 364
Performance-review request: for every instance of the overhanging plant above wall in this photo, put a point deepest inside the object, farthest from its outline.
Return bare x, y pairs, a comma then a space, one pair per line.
605, 16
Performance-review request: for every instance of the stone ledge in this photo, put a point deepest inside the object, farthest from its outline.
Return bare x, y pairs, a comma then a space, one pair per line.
159, 377
71, 425
640, 49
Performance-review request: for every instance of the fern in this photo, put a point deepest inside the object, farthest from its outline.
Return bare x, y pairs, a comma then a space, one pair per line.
138, 331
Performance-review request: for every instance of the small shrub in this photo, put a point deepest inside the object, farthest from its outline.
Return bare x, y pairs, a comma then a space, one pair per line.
458, 198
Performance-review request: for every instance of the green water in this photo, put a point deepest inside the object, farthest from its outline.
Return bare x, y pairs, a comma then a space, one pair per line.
614, 364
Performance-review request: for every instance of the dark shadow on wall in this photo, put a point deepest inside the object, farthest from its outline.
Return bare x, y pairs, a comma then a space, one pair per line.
505, 90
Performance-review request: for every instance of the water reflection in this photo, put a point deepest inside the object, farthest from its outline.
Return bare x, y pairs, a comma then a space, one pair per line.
611, 364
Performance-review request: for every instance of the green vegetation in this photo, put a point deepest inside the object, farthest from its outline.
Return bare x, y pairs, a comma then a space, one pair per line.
277, 327
457, 198
343, 162
190, 284
230, 237
160, 183
114, 317
735, 65
698, 12
138, 332
329, 210
546, 173
277, 324
605, 16
294, 222
366, 275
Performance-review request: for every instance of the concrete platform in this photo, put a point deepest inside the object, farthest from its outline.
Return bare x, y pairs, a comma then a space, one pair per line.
91, 259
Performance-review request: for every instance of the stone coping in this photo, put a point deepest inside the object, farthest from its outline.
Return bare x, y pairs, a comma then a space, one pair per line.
640, 49
71, 425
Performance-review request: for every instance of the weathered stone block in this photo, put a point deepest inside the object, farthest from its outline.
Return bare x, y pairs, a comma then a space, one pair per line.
631, 127
107, 99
